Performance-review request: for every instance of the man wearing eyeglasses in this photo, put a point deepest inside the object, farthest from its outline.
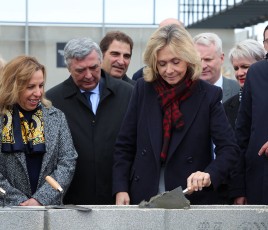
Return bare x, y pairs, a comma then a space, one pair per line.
94, 105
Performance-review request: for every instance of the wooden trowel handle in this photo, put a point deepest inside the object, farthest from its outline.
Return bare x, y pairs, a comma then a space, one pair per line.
54, 184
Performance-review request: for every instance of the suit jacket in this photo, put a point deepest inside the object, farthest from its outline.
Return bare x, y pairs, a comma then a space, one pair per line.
58, 161
230, 88
137, 157
94, 136
231, 107
252, 133
138, 74
128, 80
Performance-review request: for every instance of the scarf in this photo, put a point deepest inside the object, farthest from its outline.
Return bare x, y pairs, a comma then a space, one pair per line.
23, 131
170, 98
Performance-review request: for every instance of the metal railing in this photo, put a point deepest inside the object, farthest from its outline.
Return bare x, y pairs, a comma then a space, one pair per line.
192, 11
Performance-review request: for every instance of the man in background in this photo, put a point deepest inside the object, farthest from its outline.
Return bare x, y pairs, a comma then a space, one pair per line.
168, 21
209, 46
116, 48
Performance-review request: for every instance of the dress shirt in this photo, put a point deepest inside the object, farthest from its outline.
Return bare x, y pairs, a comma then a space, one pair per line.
94, 97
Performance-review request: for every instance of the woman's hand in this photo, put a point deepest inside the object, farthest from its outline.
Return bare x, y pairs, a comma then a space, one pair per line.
196, 181
122, 198
30, 202
264, 149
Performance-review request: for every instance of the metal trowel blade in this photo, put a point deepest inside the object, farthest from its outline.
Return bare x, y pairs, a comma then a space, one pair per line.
173, 199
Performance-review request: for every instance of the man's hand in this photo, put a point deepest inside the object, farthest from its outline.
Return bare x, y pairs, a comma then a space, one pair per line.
122, 198
264, 150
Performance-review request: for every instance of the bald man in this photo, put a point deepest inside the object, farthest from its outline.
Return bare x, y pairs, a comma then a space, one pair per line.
168, 21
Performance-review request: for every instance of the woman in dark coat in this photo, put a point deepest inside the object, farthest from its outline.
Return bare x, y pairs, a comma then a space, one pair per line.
242, 55
165, 138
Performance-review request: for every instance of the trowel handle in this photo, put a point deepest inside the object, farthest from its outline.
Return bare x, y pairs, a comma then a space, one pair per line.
185, 191
54, 184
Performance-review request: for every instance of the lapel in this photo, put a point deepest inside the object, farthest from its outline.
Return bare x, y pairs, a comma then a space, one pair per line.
226, 89
154, 120
189, 109
71, 90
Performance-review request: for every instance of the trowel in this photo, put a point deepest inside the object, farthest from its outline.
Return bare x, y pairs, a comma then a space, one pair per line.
174, 199
54, 184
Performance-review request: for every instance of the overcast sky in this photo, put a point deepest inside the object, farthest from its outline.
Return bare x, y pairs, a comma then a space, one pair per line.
91, 11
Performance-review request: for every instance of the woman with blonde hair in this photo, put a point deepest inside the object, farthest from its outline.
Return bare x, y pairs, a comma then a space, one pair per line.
165, 138
35, 138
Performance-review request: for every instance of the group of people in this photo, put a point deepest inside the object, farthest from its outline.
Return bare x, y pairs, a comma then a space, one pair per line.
109, 139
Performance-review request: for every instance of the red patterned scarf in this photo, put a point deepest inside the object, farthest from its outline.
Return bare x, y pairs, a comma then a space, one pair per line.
170, 98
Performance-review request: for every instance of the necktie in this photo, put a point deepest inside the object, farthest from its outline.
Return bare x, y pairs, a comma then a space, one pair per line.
88, 94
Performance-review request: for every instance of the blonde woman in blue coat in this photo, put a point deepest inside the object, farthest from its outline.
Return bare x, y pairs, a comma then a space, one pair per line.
165, 138
35, 138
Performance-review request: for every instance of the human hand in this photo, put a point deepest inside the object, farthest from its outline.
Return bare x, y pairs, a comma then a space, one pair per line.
240, 201
264, 149
196, 181
30, 202
122, 198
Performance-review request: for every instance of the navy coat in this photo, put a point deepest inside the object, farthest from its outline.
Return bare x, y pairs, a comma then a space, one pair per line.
252, 132
137, 157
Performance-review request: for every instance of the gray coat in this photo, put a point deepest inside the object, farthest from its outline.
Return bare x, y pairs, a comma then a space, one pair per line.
229, 88
58, 161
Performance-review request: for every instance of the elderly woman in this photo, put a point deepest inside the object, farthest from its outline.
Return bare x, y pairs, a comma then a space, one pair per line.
35, 138
242, 56
165, 138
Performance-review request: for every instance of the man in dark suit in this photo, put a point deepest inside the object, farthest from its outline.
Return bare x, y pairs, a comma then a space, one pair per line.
116, 48
209, 46
252, 135
94, 105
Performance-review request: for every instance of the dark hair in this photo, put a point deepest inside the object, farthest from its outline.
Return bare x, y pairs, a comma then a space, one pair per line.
115, 35
266, 28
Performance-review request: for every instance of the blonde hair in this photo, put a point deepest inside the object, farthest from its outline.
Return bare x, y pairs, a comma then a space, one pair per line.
2, 64
15, 78
180, 42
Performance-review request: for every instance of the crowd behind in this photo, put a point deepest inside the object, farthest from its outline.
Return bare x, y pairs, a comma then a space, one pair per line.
108, 138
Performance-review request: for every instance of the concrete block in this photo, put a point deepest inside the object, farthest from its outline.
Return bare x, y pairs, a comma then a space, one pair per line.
22, 218
131, 217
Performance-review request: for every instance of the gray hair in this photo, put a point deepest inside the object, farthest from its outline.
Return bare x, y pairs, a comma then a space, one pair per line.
249, 49
207, 39
79, 48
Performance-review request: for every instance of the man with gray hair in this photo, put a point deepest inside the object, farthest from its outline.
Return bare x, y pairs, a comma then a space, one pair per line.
209, 46
94, 105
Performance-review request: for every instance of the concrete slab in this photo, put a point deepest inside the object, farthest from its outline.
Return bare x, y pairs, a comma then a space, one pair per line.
22, 218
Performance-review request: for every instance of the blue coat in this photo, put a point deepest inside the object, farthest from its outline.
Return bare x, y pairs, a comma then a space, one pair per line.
58, 161
252, 132
137, 157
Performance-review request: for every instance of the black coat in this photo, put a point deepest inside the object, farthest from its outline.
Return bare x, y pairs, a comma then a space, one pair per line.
94, 136
252, 132
138, 146
231, 107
